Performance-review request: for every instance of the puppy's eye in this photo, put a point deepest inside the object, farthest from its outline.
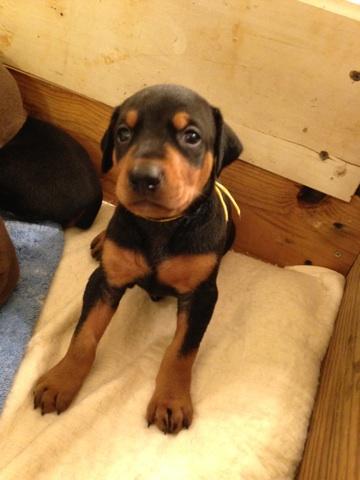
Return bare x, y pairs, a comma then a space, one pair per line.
192, 136
124, 134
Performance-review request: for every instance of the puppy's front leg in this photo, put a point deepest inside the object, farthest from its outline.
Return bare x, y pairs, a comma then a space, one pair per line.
170, 407
55, 390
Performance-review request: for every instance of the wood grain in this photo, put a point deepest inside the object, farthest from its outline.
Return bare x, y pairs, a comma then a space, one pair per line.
332, 450
274, 226
346, 8
277, 228
283, 84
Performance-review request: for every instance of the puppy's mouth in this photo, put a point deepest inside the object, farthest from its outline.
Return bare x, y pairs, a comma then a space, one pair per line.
165, 203
160, 190
152, 209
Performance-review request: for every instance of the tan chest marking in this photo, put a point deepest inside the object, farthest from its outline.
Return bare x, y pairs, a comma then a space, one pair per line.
122, 266
186, 272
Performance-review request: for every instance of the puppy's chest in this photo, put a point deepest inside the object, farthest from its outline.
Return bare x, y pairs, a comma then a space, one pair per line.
183, 272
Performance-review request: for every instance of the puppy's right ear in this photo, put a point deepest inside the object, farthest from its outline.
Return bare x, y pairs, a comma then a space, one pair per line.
227, 144
107, 142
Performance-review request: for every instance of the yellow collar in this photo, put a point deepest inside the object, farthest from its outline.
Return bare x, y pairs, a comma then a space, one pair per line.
220, 191
162, 220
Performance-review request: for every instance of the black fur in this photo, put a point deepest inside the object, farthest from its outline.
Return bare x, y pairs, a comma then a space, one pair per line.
107, 143
96, 289
46, 175
202, 228
227, 145
179, 256
218, 135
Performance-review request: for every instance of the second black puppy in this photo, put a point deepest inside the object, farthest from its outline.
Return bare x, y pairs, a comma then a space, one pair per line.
168, 235
45, 174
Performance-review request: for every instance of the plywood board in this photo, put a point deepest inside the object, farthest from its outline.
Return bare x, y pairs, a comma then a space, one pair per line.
282, 83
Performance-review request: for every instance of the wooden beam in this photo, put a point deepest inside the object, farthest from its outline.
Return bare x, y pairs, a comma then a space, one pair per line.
332, 450
278, 227
275, 226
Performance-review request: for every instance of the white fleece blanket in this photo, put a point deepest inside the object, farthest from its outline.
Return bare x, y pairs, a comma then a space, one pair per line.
253, 386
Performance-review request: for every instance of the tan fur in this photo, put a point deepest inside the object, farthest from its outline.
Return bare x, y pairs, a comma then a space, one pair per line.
97, 244
205, 171
186, 272
57, 388
131, 118
172, 390
182, 184
9, 267
122, 266
180, 120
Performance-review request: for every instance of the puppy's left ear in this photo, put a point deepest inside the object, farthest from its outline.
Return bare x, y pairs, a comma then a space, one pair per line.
107, 142
227, 145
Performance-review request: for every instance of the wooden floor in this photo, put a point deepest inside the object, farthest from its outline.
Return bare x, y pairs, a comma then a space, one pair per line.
333, 447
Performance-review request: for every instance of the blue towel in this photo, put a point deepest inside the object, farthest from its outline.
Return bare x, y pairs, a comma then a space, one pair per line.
39, 248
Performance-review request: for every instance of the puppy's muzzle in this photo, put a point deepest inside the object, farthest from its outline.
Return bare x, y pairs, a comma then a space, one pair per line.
146, 178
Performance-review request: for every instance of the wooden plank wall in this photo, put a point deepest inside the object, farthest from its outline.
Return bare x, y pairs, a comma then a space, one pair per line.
283, 84
279, 224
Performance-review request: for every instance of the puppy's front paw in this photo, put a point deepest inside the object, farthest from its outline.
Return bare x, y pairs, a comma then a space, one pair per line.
55, 390
170, 413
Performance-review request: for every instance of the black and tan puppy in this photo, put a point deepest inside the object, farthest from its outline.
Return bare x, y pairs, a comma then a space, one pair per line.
167, 235
9, 267
47, 175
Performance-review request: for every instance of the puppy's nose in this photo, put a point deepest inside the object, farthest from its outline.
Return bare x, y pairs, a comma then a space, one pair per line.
145, 177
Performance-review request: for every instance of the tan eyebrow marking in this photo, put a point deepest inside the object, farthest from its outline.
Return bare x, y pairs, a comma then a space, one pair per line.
181, 120
131, 118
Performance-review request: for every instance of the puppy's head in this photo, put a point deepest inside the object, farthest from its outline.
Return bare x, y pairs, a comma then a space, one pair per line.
166, 143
